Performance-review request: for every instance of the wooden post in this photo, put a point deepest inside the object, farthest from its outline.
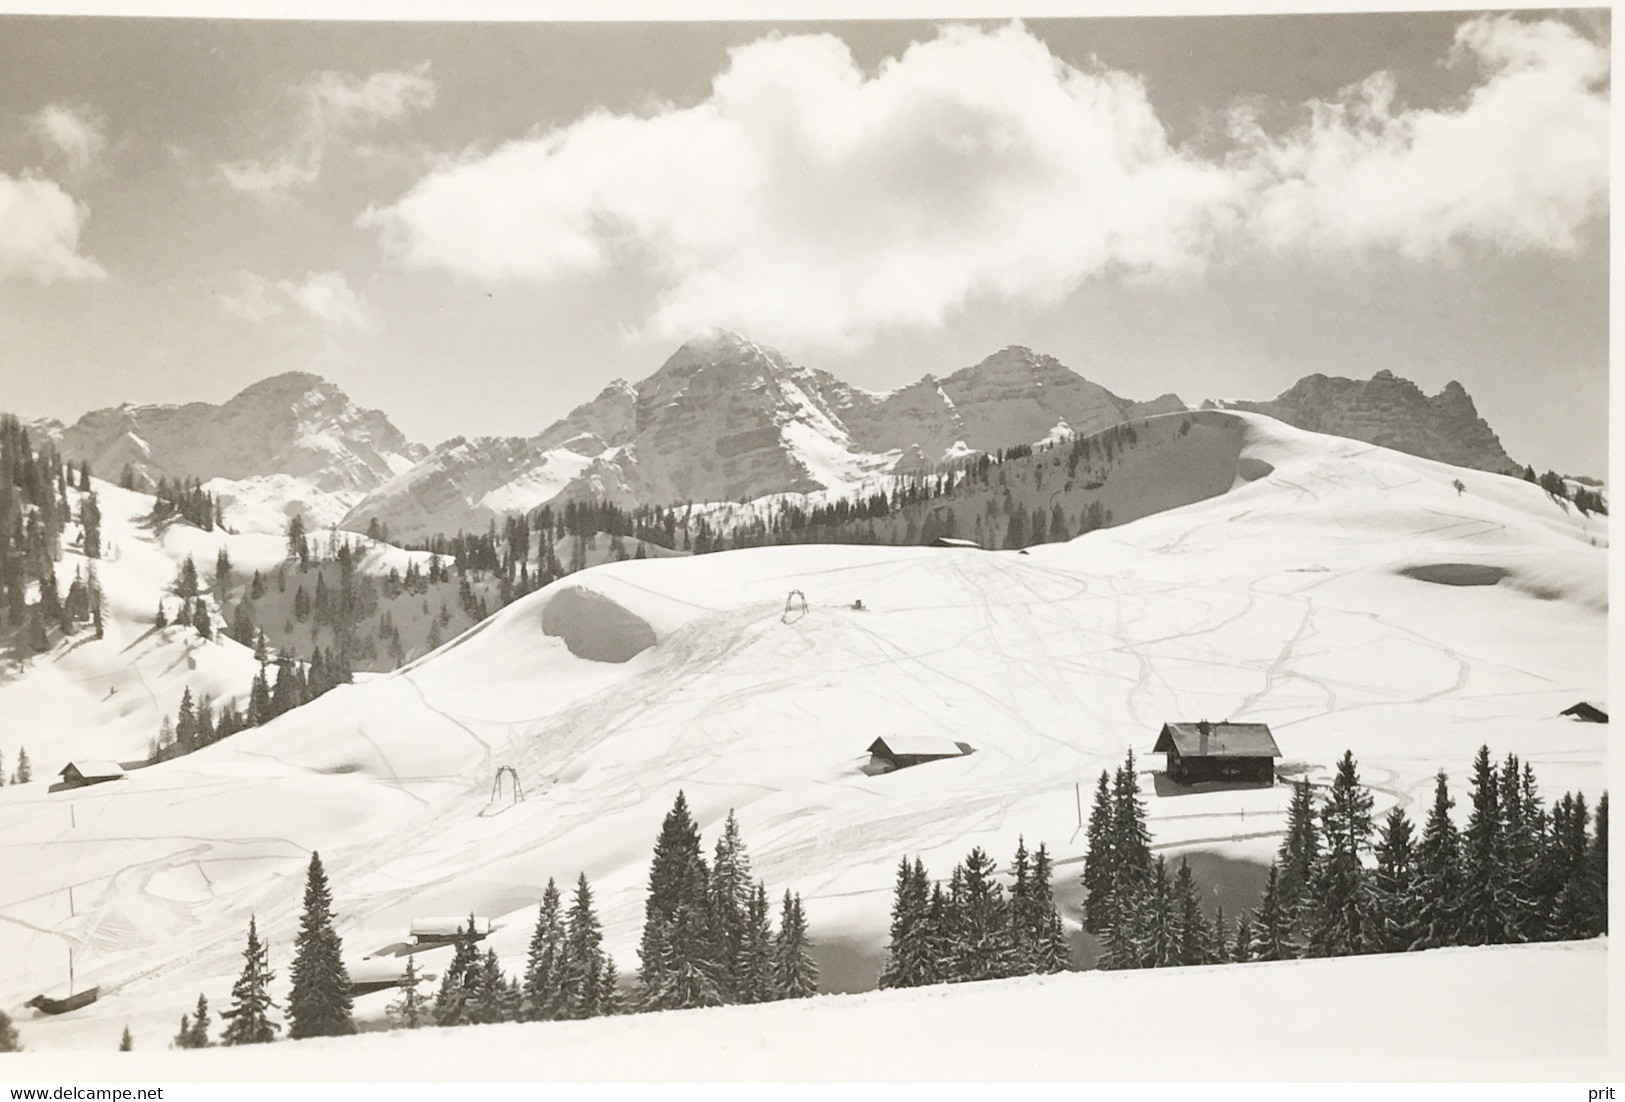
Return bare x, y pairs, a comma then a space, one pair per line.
1077, 792
73, 817
71, 911
70, 969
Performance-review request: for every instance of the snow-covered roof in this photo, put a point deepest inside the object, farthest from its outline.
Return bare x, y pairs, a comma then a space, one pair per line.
448, 927
1224, 740
951, 541
93, 770
916, 746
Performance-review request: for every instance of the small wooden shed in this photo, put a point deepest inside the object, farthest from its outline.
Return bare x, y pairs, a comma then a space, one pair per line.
1591, 711
78, 774
902, 751
1239, 753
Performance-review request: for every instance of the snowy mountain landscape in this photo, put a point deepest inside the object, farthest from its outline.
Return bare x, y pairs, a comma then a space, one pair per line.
1348, 595
893, 549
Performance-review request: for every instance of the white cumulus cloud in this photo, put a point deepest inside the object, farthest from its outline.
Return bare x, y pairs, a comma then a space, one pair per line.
807, 201
1521, 162
39, 232
76, 134
331, 106
325, 296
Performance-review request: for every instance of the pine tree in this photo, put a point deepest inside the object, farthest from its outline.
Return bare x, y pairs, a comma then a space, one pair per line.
1396, 914
410, 1011
609, 997
251, 1003
795, 976
197, 1035
584, 963
9, 1041
755, 977
1194, 938
1241, 950
126, 1042
730, 899
1300, 851
1488, 905
1338, 909
453, 1002
1131, 839
679, 964
1273, 938
1098, 870
1019, 914
25, 772
1051, 953
1438, 872
544, 966
906, 962
1596, 874
983, 949
319, 1004
1156, 922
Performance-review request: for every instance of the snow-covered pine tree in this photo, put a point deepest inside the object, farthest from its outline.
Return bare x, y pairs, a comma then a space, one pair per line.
1438, 872
1338, 908
183, 1035
1051, 953
679, 968
983, 948
319, 1003
584, 956
544, 971
1596, 873
1272, 939
411, 1010
1193, 934
1396, 918
1157, 923
1019, 912
25, 771
251, 1005
493, 999
909, 903
1098, 872
1299, 852
795, 976
610, 1000
1131, 838
460, 981
1488, 906
755, 974
730, 899
1241, 949
9, 1041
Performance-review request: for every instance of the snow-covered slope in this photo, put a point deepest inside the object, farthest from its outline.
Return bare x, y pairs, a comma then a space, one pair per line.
726, 419
293, 442
1315, 595
1393, 412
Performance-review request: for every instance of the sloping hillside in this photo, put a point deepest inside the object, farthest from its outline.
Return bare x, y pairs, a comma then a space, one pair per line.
1291, 597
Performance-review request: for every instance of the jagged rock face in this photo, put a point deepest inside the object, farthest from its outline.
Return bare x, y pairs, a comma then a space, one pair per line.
1394, 413
727, 419
295, 425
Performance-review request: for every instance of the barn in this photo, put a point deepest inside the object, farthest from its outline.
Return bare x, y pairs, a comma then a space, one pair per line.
902, 751
1236, 753
78, 774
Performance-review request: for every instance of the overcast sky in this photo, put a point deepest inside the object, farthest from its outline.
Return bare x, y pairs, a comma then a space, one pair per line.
476, 227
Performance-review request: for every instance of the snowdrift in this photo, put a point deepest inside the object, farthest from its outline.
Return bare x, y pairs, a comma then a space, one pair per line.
1282, 600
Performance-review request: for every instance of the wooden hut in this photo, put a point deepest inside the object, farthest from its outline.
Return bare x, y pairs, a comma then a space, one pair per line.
434, 931
1588, 710
902, 751
78, 774
1237, 753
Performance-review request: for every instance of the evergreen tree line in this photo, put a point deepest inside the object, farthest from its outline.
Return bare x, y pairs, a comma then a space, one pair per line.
972, 930
186, 499
1586, 500
34, 507
1518, 871
707, 937
198, 724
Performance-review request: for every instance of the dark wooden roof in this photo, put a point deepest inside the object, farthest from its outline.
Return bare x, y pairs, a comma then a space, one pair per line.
916, 746
1587, 710
1224, 740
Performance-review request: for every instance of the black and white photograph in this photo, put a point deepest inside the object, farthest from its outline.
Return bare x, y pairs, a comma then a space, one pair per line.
947, 545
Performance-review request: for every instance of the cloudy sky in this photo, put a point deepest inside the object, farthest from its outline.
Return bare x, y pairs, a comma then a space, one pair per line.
475, 227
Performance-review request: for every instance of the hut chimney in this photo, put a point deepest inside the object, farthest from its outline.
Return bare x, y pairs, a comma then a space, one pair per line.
1204, 728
